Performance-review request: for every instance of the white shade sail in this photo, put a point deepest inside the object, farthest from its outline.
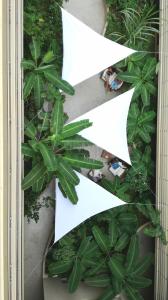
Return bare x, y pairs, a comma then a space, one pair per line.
109, 129
93, 199
86, 53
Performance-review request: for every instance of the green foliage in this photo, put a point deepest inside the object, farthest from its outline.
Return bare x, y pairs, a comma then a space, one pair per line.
133, 23
51, 148
33, 204
140, 124
49, 156
99, 264
39, 71
142, 171
133, 253
141, 77
75, 276
43, 20
117, 188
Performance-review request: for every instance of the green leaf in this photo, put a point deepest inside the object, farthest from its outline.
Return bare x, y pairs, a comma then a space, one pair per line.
41, 69
108, 294
151, 128
75, 276
92, 249
143, 209
101, 239
128, 77
117, 286
30, 130
132, 293
48, 157
75, 142
122, 242
153, 213
56, 268
145, 96
67, 172
89, 262
98, 268
34, 145
74, 128
134, 111
35, 49
28, 64
130, 66
113, 233
27, 151
44, 126
137, 56
153, 231
151, 88
145, 136
133, 253
69, 189
52, 76
107, 185
83, 162
127, 218
98, 281
38, 185
57, 117
143, 265
116, 268
38, 87
48, 57
149, 68
37, 172
81, 152
139, 282
120, 257
146, 117
84, 246
62, 190
28, 85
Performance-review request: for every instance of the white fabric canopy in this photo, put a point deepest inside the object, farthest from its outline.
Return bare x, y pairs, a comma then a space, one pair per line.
93, 199
86, 53
109, 129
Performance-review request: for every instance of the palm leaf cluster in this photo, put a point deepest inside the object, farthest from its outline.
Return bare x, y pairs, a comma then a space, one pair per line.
106, 256
138, 23
56, 154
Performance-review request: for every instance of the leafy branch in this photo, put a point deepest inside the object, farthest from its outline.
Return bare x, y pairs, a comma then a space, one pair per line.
56, 155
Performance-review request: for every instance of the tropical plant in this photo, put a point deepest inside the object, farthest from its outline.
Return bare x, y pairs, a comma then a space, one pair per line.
142, 171
115, 272
56, 154
153, 228
140, 124
139, 25
39, 71
43, 21
141, 77
116, 187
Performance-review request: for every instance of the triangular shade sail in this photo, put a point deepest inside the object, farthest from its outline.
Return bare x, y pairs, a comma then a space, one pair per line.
93, 199
86, 53
109, 129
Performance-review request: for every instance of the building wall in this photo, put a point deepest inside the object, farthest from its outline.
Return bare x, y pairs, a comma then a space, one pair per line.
161, 268
10, 150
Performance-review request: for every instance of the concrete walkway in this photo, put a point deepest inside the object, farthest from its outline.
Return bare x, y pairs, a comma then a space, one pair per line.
88, 95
